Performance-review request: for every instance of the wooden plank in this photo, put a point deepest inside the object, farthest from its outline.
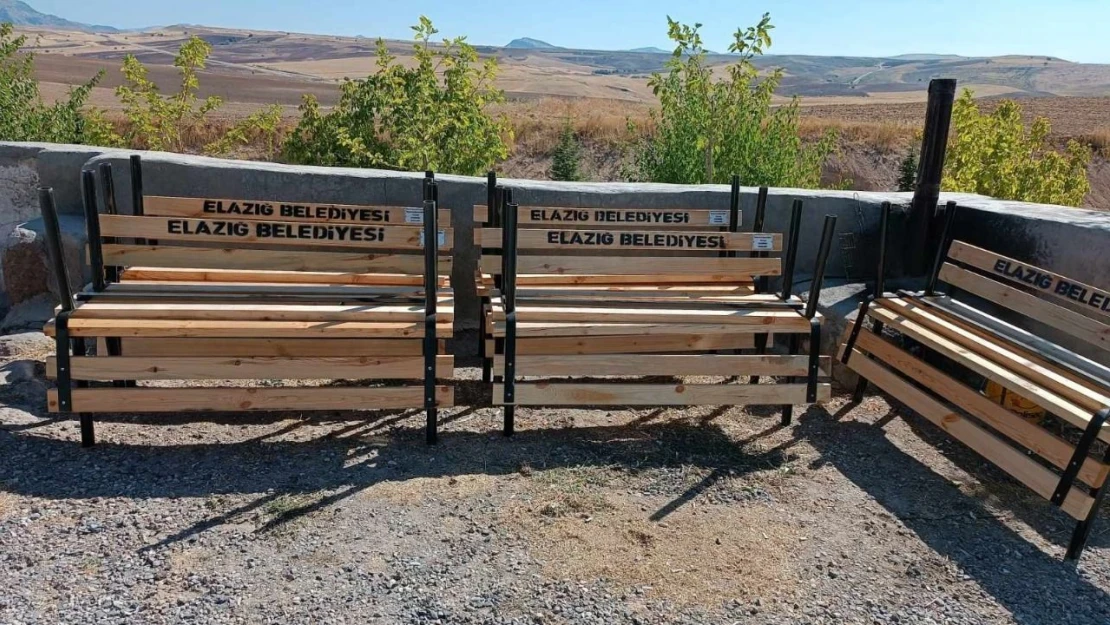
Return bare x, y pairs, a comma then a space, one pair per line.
544, 394
259, 312
786, 320
738, 269
1036, 370
1069, 411
633, 240
1090, 299
1082, 327
535, 330
1033, 437
250, 368
223, 208
270, 347
262, 289
269, 232
238, 399
156, 274
631, 344
701, 364
1040, 479
615, 217
244, 329
211, 258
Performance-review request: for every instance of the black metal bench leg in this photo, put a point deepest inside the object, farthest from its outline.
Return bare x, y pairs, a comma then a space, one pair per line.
1083, 528
88, 436
788, 410
760, 349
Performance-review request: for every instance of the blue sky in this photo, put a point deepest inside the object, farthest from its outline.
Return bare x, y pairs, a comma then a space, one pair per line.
1071, 29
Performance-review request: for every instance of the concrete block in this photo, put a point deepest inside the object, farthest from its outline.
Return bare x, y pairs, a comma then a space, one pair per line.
24, 260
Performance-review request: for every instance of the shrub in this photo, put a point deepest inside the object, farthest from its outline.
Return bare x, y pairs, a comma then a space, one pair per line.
995, 154
707, 129
907, 172
567, 155
410, 118
23, 115
157, 121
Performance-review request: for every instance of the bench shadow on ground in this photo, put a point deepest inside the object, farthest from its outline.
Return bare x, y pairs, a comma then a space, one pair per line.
389, 447
957, 526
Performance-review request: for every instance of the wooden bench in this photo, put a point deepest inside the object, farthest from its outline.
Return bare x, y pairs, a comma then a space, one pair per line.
1054, 459
206, 289
591, 292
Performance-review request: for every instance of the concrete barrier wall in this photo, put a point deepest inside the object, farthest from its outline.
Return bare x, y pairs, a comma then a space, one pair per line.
1071, 241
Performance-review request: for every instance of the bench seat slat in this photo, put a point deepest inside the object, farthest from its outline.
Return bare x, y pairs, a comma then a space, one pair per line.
633, 344
545, 394
994, 349
700, 364
1031, 436
781, 320
258, 312
250, 368
299, 347
1069, 411
1026, 470
632, 330
239, 399
254, 259
244, 329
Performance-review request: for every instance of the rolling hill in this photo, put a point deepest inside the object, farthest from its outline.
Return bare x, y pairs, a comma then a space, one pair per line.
21, 14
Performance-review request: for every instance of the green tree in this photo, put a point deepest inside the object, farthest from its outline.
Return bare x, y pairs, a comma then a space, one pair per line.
567, 155
431, 116
995, 154
907, 172
263, 127
708, 129
23, 114
157, 121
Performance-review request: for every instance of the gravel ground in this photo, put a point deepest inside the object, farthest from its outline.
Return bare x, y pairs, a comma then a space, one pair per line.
852, 515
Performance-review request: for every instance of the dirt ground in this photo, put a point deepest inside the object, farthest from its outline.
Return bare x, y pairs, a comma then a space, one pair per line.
854, 514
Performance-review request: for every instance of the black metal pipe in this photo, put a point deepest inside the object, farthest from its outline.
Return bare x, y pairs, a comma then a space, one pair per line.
794, 346
942, 248
819, 270
880, 272
54, 246
508, 295
92, 230
934, 144
792, 253
1083, 528
108, 193
431, 284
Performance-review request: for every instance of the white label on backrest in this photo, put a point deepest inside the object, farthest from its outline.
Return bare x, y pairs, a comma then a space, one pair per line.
718, 218
763, 242
441, 237
414, 215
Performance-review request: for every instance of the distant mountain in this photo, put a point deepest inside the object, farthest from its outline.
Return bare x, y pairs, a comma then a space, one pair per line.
651, 50
21, 14
528, 43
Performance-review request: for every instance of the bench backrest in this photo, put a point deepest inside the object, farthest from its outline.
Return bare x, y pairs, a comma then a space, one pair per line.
1078, 309
576, 245
263, 235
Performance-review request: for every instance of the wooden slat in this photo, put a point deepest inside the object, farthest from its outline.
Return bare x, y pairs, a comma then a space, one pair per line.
156, 274
1036, 370
660, 241
244, 329
1082, 327
270, 347
632, 344
1033, 437
701, 364
660, 394
1091, 299
734, 268
1069, 411
615, 217
1040, 479
237, 399
630, 330
223, 208
250, 368
220, 231
786, 320
262, 289
525, 280
258, 312
211, 258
